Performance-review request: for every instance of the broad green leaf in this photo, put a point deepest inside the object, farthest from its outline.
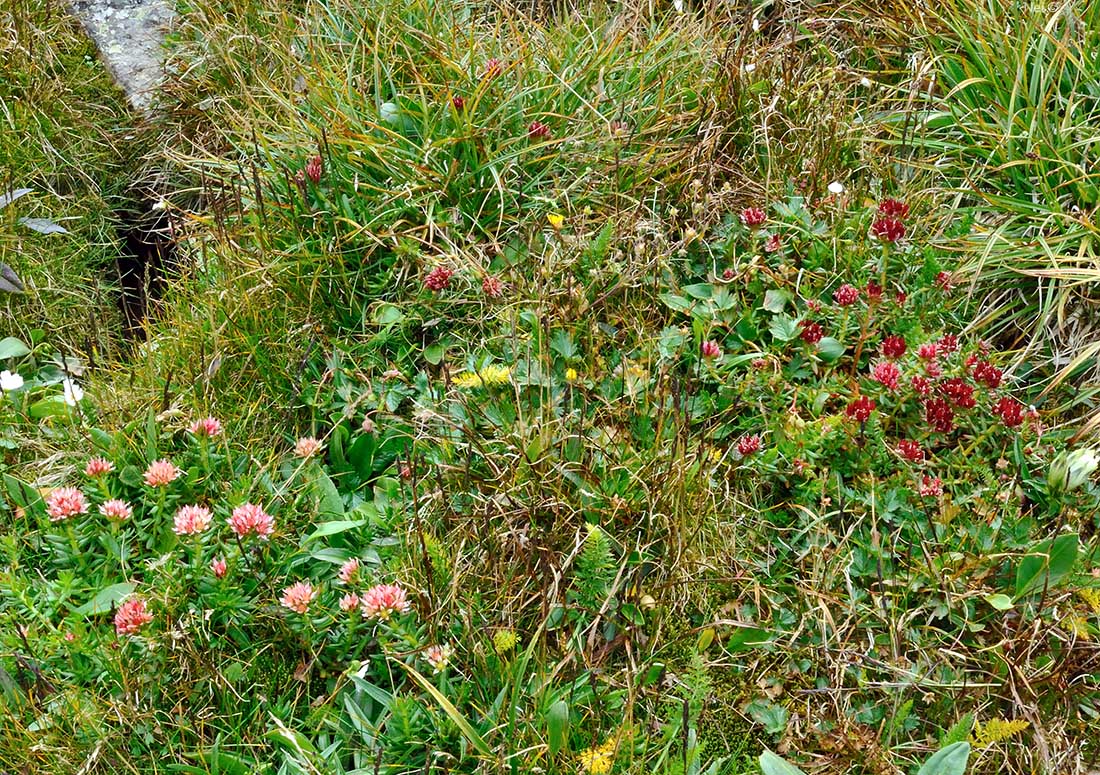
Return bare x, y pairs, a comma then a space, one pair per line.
783, 328
776, 300
557, 726
53, 406
830, 349
770, 764
388, 315
448, 707
1000, 602
104, 599
333, 528
12, 348
947, 761
328, 498
699, 290
434, 353
1046, 564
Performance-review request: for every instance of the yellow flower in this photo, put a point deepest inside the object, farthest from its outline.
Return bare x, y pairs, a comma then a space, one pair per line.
997, 730
486, 376
504, 641
1091, 597
570, 375
555, 219
599, 760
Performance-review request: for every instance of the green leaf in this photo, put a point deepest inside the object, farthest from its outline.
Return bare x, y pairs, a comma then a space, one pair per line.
21, 493
333, 528
328, 498
770, 764
388, 315
699, 290
769, 715
783, 328
1000, 602
448, 707
434, 353
12, 348
776, 300
677, 303
947, 761
557, 726
105, 599
53, 406
830, 349
1046, 564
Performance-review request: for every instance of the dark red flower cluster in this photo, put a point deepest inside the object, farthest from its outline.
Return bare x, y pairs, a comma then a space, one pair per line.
988, 374
747, 445
772, 244
538, 130
959, 392
922, 386
939, 414
887, 374
753, 217
438, 279
458, 103
945, 281
873, 291
893, 208
893, 347
860, 409
811, 332
930, 487
888, 229
314, 169
1009, 410
911, 450
948, 343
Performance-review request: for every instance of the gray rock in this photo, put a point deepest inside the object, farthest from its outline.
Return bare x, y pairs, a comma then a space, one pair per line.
129, 35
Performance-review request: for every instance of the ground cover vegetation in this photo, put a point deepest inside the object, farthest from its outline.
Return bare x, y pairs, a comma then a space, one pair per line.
602, 388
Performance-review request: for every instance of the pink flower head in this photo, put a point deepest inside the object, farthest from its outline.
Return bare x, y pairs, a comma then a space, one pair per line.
383, 601
248, 518
930, 487
438, 657
747, 445
988, 374
888, 229
314, 169
773, 244
349, 602
860, 409
922, 386
949, 343
493, 68
191, 520
811, 332
64, 503
710, 349
131, 616
753, 217
208, 428
438, 279
873, 291
728, 274
118, 510
458, 103
945, 281
161, 473
893, 347
928, 351
307, 447
492, 287
298, 596
893, 208
537, 130
219, 567
933, 368
98, 467
846, 295
349, 571
1009, 410
939, 414
887, 373
911, 450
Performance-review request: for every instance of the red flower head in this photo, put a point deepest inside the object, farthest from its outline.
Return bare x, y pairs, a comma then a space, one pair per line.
493, 68
921, 386
747, 445
911, 450
438, 279
458, 103
888, 229
930, 487
772, 244
960, 393
314, 169
988, 374
1009, 410
753, 217
928, 351
846, 295
860, 409
945, 281
710, 350
939, 414
949, 343
874, 292
893, 347
492, 287
811, 332
537, 130
893, 208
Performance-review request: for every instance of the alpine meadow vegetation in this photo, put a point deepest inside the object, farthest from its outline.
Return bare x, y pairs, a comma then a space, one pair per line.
690, 388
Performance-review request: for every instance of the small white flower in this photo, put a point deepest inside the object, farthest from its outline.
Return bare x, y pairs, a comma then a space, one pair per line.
836, 187
756, 25
10, 381
73, 392
865, 82
750, 67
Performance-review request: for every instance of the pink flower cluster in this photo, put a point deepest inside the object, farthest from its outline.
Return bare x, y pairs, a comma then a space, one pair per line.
161, 473
207, 428
64, 503
131, 616
250, 519
116, 509
383, 601
753, 217
298, 596
749, 444
438, 279
191, 520
98, 467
